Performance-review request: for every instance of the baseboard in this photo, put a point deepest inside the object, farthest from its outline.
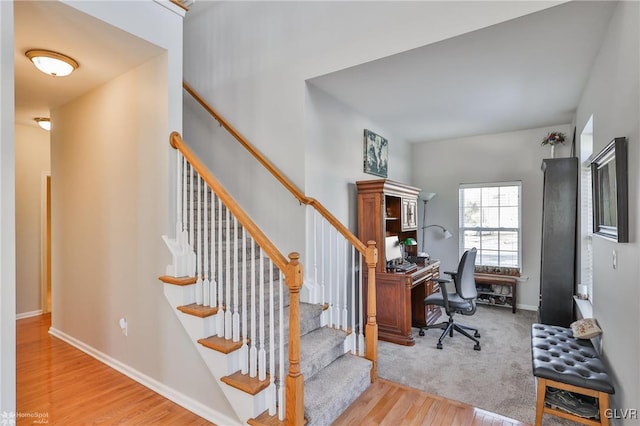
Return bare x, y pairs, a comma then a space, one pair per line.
160, 388
29, 314
527, 307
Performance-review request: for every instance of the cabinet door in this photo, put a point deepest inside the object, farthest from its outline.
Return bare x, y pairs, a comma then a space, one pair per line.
409, 214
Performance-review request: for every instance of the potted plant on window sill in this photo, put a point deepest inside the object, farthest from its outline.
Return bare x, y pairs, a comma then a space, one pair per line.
553, 139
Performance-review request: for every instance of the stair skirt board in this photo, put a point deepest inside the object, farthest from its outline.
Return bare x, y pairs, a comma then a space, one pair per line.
171, 394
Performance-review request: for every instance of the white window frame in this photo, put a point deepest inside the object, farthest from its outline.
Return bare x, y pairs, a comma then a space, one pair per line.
461, 229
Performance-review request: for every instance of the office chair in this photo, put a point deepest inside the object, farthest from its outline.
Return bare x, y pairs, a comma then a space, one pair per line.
462, 301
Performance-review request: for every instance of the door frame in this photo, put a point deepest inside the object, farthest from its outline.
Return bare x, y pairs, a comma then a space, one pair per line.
45, 242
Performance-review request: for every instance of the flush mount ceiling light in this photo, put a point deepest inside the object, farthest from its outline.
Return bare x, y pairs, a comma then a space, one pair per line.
52, 63
43, 122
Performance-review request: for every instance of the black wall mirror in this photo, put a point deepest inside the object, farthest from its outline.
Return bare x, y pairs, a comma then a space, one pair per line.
610, 191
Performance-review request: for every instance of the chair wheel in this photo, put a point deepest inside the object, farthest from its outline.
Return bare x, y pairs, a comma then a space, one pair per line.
476, 347
476, 334
421, 332
439, 346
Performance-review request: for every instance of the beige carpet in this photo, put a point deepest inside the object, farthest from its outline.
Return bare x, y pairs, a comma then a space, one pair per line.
498, 378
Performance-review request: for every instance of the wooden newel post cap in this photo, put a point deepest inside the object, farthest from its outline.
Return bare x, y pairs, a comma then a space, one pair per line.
173, 139
294, 257
372, 251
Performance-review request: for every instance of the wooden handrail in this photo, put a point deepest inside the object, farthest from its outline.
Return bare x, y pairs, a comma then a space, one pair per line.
280, 177
243, 218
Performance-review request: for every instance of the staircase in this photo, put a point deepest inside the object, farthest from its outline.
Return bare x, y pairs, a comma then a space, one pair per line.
333, 379
276, 359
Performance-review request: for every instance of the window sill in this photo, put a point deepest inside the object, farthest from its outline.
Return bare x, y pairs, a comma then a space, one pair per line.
584, 309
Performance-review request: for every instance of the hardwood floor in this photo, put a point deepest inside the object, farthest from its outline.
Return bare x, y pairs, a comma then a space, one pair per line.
389, 403
60, 385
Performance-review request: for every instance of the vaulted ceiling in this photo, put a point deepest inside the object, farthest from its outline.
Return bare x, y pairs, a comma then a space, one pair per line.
521, 74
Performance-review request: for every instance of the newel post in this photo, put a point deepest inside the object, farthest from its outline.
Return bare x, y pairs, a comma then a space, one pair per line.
371, 330
295, 380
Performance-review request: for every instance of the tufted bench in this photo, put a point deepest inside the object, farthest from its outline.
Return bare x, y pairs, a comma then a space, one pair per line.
561, 361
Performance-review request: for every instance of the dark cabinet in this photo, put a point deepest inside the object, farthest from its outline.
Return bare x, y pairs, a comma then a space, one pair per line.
558, 257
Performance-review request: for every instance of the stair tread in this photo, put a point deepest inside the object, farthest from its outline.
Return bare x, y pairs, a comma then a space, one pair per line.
250, 385
320, 348
182, 281
329, 393
198, 310
220, 344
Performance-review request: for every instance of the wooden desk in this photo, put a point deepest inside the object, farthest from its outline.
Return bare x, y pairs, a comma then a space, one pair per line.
400, 302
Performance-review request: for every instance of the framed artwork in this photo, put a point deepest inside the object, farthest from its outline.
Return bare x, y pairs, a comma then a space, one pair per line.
375, 154
610, 192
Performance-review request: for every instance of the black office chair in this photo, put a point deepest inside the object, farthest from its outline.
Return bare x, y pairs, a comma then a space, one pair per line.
462, 301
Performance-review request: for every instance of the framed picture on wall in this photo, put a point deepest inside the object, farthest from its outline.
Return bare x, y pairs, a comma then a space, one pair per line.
610, 192
375, 154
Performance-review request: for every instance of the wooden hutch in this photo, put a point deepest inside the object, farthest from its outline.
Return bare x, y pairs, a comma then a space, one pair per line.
388, 208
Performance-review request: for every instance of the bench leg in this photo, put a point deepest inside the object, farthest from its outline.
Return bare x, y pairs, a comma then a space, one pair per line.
603, 403
542, 392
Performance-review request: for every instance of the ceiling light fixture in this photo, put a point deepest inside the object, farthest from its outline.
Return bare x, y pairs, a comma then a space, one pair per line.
52, 63
43, 122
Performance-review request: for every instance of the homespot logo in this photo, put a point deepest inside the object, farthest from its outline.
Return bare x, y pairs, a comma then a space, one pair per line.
8, 418
622, 413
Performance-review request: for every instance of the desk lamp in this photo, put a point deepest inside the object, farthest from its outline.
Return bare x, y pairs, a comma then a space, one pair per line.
408, 242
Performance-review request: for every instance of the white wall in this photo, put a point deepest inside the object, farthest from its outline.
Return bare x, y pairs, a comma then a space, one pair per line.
32, 160
111, 149
334, 160
111, 146
7, 215
442, 166
612, 96
250, 60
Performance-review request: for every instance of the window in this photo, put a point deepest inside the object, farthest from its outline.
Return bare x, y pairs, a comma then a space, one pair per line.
586, 209
490, 222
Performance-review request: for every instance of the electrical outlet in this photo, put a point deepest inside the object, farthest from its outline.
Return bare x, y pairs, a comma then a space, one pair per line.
123, 325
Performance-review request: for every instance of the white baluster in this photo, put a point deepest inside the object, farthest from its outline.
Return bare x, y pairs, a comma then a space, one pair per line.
214, 285
198, 227
272, 347
262, 353
353, 300
253, 352
322, 265
244, 349
206, 285
330, 285
179, 160
192, 218
281, 399
227, 277
345, 311
315, 256
184, 193
361, 309
336, 305
221, 300
236, 314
